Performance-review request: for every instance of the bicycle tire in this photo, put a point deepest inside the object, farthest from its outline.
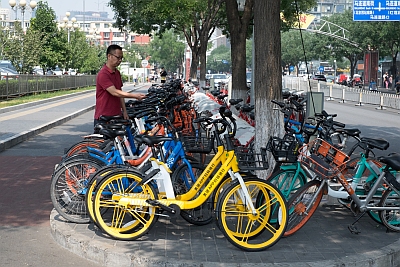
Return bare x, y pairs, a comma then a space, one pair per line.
390, 218
225, 183
201, 215
124, 222
67, 186
297, 205
91, 188
287, 181
247, 231
81, 147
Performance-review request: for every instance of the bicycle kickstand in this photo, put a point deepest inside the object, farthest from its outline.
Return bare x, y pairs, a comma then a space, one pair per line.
352, 228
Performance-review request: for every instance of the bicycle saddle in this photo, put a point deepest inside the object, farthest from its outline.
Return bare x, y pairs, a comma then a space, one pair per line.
221, 96
247, 108
392, 160
350, 132
378, 143
252, 116
152, 140
111, 133
235, 101
103, 118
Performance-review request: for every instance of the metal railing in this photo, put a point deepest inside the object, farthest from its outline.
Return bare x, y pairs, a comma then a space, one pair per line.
16, 86
343, 93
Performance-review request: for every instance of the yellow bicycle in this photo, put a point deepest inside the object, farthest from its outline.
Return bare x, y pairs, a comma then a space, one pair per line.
136, 201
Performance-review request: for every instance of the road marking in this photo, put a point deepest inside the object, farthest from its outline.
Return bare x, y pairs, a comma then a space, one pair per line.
34, 110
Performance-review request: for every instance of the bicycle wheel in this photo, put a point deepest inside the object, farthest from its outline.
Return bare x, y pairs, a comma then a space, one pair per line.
244, 229
301, 206
363, 188
224, 184
127, 221
390, 218
81, 147
182, 182
67, 188
287, 181
91, 187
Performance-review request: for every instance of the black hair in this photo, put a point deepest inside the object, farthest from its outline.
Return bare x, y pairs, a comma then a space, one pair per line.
112, 48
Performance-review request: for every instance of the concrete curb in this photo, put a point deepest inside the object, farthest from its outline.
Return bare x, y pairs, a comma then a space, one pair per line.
21, 137
108, 255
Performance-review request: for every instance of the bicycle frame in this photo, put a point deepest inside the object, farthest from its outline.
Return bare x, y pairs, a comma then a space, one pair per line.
349, 189
229, 164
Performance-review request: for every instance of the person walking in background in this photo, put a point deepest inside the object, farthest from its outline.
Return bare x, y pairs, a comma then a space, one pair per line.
372, 85
390, 81
386, 82
384, 77
398, 88
163, 75
135, 77
110, 99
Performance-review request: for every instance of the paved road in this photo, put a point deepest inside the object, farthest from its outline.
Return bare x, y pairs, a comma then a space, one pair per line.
25, 206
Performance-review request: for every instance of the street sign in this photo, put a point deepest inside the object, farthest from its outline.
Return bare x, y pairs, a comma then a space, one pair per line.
321, 68
377, 10
144, 63
291, 68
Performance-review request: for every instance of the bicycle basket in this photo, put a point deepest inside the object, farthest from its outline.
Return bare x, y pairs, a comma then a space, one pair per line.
284, 149
193, 144
248, 159
323, 158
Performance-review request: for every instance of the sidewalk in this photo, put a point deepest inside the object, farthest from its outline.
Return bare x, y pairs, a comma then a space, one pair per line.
324, 241
21, 122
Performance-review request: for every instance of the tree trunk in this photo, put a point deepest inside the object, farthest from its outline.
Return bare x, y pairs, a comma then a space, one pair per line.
238, 26
267, 74
203, 57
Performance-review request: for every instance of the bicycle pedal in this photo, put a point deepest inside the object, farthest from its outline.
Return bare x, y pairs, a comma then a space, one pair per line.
353, 229
172, 210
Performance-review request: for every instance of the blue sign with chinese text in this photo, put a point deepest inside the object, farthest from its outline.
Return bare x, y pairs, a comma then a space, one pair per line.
376, 10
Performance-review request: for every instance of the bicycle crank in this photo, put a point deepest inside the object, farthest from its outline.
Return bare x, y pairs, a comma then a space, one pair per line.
172, 210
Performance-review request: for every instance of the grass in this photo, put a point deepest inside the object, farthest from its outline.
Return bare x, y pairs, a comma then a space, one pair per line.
40, 96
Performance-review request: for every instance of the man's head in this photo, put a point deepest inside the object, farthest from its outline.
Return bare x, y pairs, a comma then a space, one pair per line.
114, 56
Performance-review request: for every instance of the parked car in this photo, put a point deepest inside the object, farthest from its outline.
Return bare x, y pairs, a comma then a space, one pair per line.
57, 71
319, 77
219, 78
7, 64
37, 71
330, 79
8, 73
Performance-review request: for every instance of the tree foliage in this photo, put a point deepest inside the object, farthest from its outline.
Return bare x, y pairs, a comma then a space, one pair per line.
219, 60
167, 51
54, 42
193, 19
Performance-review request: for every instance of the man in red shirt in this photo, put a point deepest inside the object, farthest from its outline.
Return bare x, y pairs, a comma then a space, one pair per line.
110, 99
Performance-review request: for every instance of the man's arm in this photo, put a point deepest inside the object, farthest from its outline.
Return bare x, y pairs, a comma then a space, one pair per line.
123, 107
121, 94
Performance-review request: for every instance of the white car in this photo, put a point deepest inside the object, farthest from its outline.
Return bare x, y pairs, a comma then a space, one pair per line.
219, 78
7, 73
57, 71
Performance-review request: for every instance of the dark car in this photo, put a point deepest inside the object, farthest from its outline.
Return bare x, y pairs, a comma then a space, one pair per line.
319, 77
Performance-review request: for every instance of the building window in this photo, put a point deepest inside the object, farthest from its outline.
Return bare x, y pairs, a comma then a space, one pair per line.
106, 35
